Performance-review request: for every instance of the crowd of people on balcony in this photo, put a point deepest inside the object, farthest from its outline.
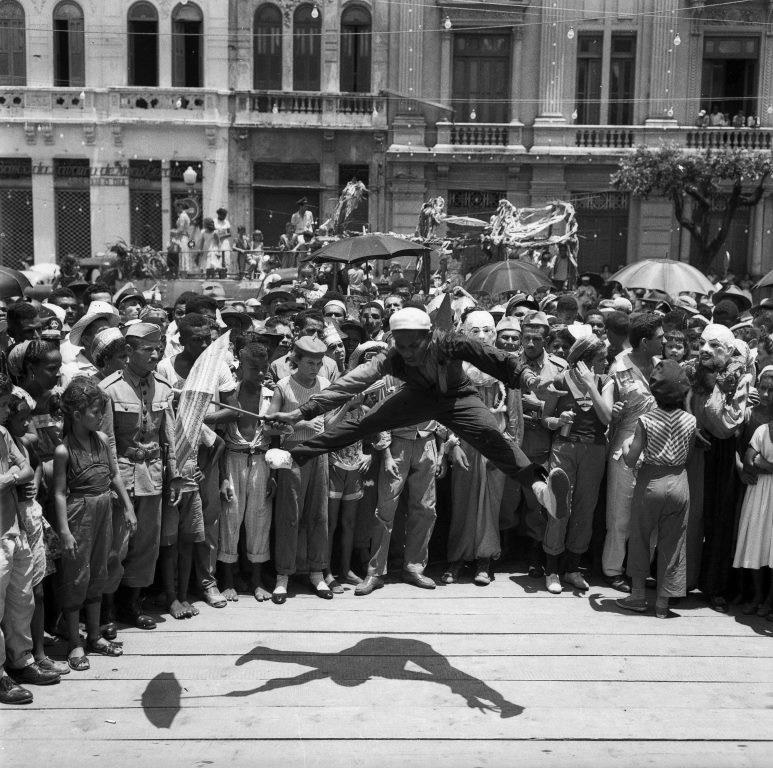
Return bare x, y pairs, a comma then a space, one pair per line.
719, 119
563, 430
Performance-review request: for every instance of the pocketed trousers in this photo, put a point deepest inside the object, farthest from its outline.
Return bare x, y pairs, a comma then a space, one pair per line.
301, 498
249, 476
584, 466
661, 502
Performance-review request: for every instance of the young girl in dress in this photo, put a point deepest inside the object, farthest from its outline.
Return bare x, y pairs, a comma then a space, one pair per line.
754, 548
84, 473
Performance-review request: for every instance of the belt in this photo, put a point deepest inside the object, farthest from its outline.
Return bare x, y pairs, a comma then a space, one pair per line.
250, 450
142, 454
581, 439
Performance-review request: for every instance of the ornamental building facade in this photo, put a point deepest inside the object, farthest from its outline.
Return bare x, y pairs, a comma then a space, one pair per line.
105, 105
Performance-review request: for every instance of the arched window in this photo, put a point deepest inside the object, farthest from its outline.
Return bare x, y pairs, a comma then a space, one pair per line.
13, 54
307, 32
69, 47
356, 31
187, 46
143, 44
267, 49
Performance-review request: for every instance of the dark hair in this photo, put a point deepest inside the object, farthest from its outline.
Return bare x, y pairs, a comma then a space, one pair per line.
470, 310
764, 319
184, 298
618, 323
90, 290
566, 303
308, 314
18, 311
196, 303
675, 320
5, 385
16, 402
643, 326
726, 313
190, 322
256, 348
272, 322
81, 393
113, 348
61, 293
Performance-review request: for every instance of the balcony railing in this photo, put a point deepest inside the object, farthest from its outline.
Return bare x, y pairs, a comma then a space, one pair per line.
582, 139
310, 109
113, 103
730, 138
479, 135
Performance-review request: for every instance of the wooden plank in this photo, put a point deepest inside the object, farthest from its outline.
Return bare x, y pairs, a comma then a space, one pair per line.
541, 617
254, 669
403, 722
79, 693
236, 642
324, 753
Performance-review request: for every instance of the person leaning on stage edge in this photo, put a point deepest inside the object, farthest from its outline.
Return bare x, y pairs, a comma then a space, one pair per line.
140, 426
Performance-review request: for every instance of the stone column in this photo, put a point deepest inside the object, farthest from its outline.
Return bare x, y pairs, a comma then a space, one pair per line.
287, 50
552, 65
446, 64
166, 203
43, 213
662, 62
408, 124
516, 73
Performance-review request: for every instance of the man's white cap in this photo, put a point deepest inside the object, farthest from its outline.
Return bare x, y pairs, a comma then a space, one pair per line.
410, 319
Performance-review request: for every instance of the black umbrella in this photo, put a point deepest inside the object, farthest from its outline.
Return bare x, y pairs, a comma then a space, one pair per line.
351, 250
507, 276
12, 282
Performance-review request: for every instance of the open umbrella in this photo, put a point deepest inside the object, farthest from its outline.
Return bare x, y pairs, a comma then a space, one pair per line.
504, 276
12, 282
468, 222
350, 250
671, 277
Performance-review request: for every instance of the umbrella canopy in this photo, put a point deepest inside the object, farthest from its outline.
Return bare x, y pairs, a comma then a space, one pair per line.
469, 222
504, 276
350, 250
766, 281
12, 282
671, 277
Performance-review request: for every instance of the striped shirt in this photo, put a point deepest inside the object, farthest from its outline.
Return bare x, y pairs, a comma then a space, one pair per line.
291, 395
669, 437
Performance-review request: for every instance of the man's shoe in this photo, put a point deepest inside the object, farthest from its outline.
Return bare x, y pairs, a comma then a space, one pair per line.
371, 583
557, 494
10, 693
133, 616
215, 598
34, 674
536, 571
60, 667
618, 582
418, 580
279, 598
575, 578
553, 583
631, 603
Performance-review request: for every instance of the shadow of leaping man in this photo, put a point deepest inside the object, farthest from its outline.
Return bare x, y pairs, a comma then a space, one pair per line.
383, 657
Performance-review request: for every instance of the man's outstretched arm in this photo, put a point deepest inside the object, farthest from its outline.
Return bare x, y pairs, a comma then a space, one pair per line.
339, 392
501, 365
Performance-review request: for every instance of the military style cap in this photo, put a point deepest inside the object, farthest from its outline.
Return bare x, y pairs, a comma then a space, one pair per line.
536, 318
146, 331
311, 345
508, 324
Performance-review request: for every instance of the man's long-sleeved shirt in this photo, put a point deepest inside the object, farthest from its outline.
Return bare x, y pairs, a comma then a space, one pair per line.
440, 373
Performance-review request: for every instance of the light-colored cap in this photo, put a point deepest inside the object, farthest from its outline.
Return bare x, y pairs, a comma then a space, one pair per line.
509, 324
57, 310
618, 304
536, 318
410, 319
311, 345
147, 331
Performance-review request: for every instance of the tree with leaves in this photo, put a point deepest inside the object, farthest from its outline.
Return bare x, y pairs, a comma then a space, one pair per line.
700, 177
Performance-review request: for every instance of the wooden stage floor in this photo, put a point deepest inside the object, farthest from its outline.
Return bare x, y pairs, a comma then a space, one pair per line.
506, 675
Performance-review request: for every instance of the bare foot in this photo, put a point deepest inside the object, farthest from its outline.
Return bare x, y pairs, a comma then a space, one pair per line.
230, 595
192, 608
261, 593
179, 610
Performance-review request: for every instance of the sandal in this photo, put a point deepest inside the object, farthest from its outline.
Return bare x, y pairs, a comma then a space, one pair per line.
108, 649
78, 663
